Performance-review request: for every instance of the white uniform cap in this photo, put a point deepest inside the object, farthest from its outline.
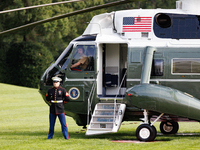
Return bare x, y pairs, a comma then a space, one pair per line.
56, 79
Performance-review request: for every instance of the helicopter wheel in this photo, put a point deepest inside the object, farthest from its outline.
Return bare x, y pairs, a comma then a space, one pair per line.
169, 127
145, 132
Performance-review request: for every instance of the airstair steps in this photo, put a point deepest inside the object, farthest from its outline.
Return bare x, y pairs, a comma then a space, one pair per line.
106, 118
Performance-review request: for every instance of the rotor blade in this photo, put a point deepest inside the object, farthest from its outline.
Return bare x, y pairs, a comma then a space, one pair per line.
37, 6
69, 14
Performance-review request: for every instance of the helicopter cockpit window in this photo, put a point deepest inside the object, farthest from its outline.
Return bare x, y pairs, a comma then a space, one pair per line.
57, 69
157, 67
64, 58
83, 59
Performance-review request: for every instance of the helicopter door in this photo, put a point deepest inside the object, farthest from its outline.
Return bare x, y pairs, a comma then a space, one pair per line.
80, 76
114, 68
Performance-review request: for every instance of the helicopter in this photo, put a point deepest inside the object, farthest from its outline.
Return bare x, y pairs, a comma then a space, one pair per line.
143, 65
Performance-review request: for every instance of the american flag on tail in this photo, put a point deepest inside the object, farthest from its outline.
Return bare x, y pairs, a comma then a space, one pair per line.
137, 24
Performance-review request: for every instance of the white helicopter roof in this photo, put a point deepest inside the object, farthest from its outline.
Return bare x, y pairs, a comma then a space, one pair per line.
113, 27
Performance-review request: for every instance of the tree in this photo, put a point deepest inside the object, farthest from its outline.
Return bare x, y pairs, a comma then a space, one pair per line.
26, 63
3, 65
49, 33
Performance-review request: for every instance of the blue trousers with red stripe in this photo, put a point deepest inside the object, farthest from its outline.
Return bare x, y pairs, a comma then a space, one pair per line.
52, 120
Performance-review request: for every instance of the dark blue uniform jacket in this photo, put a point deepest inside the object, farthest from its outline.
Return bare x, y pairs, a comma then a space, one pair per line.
54, 96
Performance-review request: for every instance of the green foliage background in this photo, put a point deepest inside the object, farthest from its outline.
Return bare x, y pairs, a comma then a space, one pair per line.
26, 61
50, 38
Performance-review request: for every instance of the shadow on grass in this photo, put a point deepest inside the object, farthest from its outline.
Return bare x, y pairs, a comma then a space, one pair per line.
169, 137
127, 135
23, 133
111, 136
74, 135
121, 135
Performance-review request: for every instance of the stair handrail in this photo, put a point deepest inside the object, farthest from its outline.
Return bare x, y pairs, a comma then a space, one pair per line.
115, 104
90, 103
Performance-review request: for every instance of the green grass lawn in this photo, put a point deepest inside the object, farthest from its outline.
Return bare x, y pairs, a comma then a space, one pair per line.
24, 125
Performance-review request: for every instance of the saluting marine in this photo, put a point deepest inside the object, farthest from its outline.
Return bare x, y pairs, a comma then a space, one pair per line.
57, 96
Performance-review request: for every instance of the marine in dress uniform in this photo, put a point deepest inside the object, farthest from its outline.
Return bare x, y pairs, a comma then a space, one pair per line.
57, 96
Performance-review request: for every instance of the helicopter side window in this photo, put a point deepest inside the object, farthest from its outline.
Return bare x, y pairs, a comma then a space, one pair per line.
157, 67
186, 66
176, 26
83, 59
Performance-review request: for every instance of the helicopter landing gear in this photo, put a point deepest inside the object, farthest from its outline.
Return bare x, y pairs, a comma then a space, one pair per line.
146, 132
169, 127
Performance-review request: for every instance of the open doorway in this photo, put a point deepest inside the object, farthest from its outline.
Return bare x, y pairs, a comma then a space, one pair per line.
114, 65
